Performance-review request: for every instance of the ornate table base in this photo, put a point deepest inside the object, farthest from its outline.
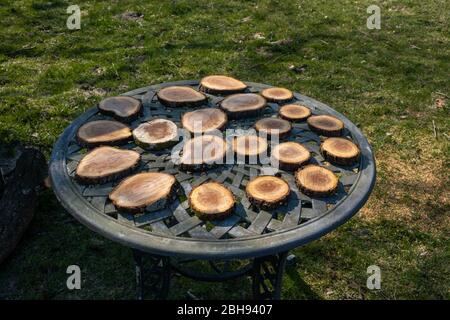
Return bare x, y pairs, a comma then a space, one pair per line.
153, 274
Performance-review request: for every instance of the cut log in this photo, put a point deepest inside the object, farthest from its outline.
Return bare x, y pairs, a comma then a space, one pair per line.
22, 171
122, 108
177, 96
149, 191
267, 192
277, 95
211, 201
204, 120
289, 156
317, 181
221, 85
274, 127
242, 105
326, 125
249, 147
104, 164
340, 151
103, 132
203, 152
156, 134
294, 112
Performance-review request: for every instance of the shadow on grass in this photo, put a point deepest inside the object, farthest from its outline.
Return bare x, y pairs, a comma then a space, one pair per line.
37, 268
305, 290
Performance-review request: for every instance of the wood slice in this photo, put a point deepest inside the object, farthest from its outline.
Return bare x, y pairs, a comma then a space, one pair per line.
340, 151
156, 134
267, 192
103, 132
147, 191
122, 108
326, 125
241, 105
177, 96
246, 147
290, 155
221, 85
277, 94
105, 164
211, 201
203, 152
204, 120
294, 112
274, 127
318, 181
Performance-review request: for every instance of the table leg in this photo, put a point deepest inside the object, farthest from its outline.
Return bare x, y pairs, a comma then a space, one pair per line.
153, 274
267, 276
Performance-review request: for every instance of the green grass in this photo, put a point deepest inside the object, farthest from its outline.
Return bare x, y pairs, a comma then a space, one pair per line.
384, 80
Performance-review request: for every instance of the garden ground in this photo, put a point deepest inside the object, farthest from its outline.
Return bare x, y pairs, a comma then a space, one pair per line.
393, 83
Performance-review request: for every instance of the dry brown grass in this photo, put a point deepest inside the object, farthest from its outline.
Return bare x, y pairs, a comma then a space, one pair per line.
411, 190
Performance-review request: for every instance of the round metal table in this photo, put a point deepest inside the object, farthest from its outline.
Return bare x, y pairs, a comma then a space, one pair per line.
174, 238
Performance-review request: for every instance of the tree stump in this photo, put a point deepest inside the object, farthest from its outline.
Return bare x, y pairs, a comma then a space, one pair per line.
211, 201
122, 108
243, 105
203, 152
249, 147
278, 95
316, 181
156, 134
104, 164
326, 125
103, 132
22, 171
267, 192
290, 155
340, 151
204, 120
221, 85
274, 127
294, 112
177, 96
147, 191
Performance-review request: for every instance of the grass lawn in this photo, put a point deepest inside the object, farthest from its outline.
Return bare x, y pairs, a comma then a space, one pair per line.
393, 83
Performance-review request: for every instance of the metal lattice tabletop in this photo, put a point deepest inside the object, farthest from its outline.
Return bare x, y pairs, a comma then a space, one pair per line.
248, 233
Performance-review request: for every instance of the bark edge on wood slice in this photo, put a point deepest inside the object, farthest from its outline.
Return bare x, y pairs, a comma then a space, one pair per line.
278, 95
104, 164
148, 191
243, 105
326, 125
177, 96
122, 108
212, 150
294, 112
273, 127
267, 192
204, 120
217, 84
340, 151
156, 134
249, 147
316, 181
289, 156
103, 132
211, 201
